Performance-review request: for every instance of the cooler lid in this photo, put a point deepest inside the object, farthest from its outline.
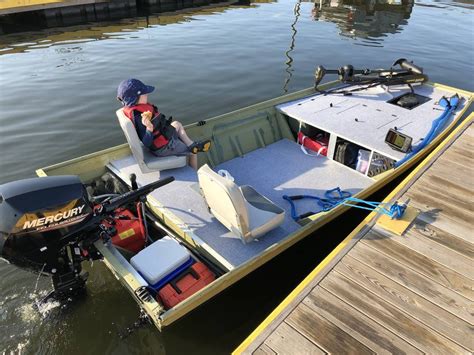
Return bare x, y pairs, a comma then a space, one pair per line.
159, 259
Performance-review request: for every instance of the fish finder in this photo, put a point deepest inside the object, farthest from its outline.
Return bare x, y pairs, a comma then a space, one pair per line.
398, 141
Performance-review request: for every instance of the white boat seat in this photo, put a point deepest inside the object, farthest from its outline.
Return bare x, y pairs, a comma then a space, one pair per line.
242, 210
145, 159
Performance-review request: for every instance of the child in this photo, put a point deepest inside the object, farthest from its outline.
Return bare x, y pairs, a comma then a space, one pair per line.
162, 136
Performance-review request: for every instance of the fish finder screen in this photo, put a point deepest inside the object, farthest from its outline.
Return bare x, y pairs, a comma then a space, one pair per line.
395, 139
398, 140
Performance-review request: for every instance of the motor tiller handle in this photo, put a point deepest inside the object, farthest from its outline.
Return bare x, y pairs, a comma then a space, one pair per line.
134, 195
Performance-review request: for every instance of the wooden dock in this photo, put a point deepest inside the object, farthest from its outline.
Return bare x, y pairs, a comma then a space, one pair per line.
26, 15
16, 6
382, 292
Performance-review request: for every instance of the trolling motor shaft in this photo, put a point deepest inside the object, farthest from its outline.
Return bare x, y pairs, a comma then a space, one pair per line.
409, 73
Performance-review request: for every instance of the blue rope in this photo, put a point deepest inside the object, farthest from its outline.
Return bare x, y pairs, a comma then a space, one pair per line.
450, 106
394, 211
331, 199
336, 196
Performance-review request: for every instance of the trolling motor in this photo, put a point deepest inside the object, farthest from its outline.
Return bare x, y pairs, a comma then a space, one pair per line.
408, 74
48, 225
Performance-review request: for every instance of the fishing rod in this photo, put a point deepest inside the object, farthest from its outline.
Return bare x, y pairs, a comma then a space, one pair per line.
407, 74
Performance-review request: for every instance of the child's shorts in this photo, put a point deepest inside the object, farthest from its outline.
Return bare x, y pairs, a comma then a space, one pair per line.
175, 146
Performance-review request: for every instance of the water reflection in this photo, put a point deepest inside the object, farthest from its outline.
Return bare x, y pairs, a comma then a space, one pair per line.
122, 29
289, 61
442, 4
370, 20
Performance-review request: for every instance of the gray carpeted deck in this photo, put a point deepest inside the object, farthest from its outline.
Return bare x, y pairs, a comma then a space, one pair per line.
279, 169
352, 117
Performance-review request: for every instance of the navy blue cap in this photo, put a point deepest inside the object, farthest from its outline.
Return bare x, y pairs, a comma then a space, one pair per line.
129, 90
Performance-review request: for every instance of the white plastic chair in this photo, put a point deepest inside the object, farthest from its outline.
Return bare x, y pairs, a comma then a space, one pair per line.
242, 210
145, 159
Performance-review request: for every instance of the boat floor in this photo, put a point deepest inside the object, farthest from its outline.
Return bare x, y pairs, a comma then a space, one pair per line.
276, 170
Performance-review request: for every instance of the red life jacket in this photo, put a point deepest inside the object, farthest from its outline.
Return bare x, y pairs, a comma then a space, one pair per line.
159, 140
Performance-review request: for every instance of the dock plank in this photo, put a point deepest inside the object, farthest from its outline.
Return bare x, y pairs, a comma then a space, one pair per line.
416, 241
319, 330
381, 247
416, 282
444, 171
359, 326
381, 311
436, 218
405, 300
443, 200
459, 193
264, 350
286, 340
442, 237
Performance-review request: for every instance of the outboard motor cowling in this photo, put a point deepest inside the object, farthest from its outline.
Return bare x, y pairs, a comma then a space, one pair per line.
35, 214
38, 218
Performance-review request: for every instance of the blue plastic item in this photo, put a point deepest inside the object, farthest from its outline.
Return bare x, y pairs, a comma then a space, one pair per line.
331, 199
394, 211
450, 105
337, 196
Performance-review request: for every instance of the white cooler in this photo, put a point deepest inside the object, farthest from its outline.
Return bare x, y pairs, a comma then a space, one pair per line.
162, 261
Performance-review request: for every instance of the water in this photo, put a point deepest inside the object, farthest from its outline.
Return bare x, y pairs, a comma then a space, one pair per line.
57, 99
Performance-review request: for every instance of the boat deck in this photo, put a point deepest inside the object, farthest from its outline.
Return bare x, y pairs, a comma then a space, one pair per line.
352, 117
381, 292
268, 171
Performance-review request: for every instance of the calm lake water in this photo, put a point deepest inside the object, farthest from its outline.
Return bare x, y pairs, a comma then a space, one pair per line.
57, 100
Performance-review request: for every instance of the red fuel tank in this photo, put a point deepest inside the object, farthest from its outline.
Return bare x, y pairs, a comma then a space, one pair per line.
130, 233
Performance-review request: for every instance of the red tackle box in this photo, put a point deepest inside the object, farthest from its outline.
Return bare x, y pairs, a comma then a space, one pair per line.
185, 285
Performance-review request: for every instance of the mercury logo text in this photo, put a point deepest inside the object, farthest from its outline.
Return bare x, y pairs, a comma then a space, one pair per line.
56, 218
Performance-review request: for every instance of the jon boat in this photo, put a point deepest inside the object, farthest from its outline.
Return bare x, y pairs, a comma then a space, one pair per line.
258, 147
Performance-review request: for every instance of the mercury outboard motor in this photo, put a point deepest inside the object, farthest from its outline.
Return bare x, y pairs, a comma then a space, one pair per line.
48, 225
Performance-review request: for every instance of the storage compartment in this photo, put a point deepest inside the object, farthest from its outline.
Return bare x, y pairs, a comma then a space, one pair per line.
409, 100
378, 164
347, 153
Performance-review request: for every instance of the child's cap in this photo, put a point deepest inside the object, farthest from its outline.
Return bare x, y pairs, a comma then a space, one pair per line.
129, 90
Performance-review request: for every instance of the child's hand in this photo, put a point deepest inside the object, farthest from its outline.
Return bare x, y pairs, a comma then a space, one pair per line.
146, 120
